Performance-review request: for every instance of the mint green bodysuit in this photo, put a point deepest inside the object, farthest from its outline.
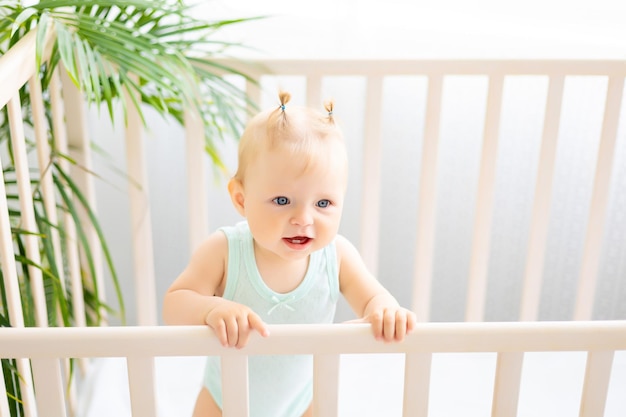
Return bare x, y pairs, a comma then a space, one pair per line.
279, 386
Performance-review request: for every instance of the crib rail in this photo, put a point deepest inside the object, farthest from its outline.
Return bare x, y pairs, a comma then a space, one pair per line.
47, 347
122, 341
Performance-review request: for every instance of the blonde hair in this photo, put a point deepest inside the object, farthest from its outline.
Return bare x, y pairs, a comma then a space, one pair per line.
305, 132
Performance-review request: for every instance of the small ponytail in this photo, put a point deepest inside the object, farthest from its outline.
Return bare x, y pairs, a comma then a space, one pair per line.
284, 98
329, 106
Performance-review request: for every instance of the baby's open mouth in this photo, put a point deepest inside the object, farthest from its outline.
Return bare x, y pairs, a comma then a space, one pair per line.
297, 240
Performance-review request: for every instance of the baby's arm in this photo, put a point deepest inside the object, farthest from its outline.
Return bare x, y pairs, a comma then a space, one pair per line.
368, 298
195, 297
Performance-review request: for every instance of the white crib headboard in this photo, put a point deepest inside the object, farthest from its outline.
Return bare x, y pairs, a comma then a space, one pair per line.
375, 74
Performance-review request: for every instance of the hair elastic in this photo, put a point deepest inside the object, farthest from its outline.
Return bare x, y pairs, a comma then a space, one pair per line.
282, 107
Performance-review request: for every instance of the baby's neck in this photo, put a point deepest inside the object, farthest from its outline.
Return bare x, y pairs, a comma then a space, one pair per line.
279, 274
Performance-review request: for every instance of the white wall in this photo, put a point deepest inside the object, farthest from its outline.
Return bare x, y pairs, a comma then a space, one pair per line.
403, 29
429, 28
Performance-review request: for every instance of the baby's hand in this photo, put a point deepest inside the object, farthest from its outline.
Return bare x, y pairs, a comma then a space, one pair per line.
391, 323
233, 322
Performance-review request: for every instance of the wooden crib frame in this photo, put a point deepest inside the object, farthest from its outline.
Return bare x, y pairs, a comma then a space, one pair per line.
43, 349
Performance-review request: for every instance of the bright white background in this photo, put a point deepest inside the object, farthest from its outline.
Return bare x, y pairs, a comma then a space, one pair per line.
419, 29
429, 28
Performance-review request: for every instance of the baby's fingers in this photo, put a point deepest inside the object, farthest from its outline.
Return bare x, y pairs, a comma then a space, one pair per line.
257, 324
411, 322
219, 328
234, 331
377, 322
405, 323
390, 325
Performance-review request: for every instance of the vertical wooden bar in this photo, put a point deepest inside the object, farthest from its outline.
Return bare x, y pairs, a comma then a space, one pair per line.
599, 201
79, 147
326, 385
537, 241
235, 391
26, 388
196, 180
49, 387
4, 399
45, 171
142, 386
479, 262
507, 384
370, 200
141, 219
49, 201
45, 177
7, 256
416, 384
73, 257
426, 211
28, 222
314, 92
12, 290
596, 386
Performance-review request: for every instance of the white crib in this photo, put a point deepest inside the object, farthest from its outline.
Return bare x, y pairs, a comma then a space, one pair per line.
411, 378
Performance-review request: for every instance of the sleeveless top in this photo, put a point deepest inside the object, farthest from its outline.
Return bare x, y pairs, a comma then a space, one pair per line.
279, 385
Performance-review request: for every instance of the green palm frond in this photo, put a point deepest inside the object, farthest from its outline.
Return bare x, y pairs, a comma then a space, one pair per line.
101, 43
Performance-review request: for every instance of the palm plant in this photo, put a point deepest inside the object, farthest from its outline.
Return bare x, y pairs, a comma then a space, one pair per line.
157, 51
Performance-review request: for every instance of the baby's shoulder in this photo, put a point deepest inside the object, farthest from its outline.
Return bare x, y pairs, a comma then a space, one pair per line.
345, 248
215, 245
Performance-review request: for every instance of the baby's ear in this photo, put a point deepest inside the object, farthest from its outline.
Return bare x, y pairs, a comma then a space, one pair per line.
235, 189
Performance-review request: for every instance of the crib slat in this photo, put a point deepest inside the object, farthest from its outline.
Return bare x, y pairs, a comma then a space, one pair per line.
141, 219
326, 385
538, 237
370, 204
69, 227
425, 245
4, 399
142, 388
314, 91
7, 256
49, 387
14, 304
596, 387
73, 258
196, 180
416, 384
28, 223
43, 158
79, 147
477, 285
45, 180
235, 393
599, 201
507, 384
12, 291
26, 387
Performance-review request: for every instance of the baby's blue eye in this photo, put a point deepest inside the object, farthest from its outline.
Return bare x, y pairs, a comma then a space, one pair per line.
323, 203
281, 201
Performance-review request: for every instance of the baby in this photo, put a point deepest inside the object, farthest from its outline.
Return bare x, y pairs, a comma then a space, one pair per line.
286, 263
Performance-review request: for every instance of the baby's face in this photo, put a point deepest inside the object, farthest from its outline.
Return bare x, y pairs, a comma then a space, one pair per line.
292, 211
